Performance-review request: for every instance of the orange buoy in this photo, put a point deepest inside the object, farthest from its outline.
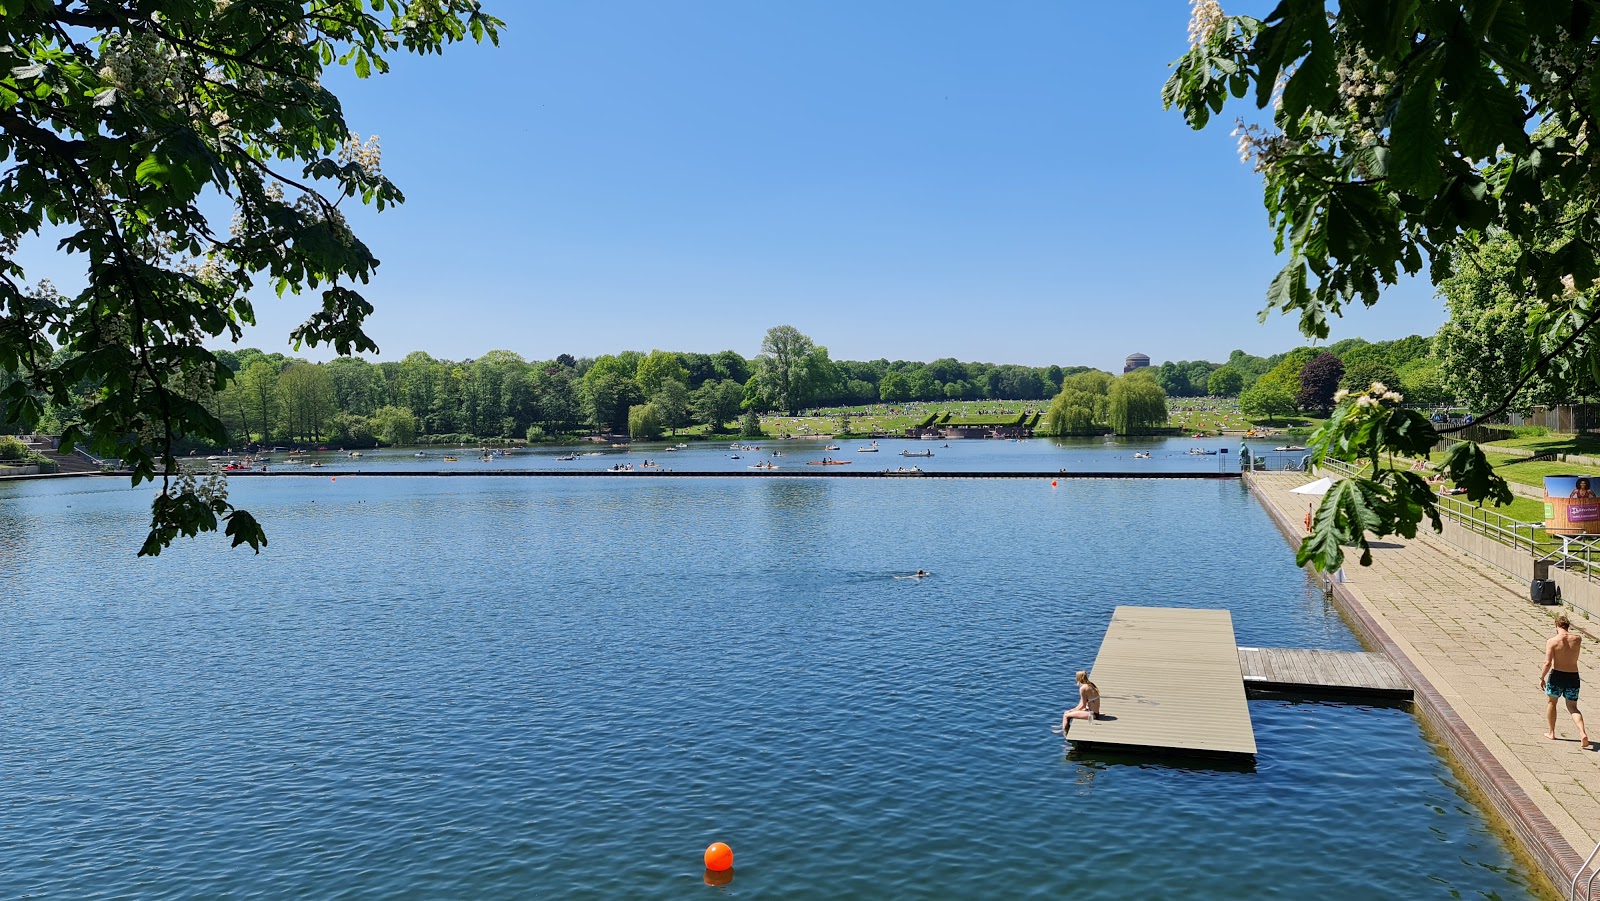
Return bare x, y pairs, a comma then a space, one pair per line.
719, 857
1052, 483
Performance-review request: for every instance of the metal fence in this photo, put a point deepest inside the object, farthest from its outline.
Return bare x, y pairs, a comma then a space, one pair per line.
1508, 531
1579, 555
1278, 461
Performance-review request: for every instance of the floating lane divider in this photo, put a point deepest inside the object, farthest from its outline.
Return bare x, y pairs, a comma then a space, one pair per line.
751, 474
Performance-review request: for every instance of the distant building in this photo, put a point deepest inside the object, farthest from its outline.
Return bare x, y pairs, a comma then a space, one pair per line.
1135, 361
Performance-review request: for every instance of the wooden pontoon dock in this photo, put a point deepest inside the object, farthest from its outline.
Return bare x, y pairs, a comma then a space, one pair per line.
1169, 682
1172, 681
1354, 674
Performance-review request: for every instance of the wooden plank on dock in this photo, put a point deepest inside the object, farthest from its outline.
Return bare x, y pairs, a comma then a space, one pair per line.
1296, 670
1169, 681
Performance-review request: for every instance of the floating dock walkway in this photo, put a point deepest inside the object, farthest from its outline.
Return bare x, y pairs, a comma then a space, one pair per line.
1170, 682
1355, 674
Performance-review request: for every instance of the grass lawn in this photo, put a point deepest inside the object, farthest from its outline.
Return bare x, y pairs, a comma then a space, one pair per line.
888, 419
1525, 472
1553, 444
1185, 416
1213, 415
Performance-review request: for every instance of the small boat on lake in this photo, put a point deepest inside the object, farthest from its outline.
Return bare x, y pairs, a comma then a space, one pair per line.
909, 453
567, 459
830, 447
829, 462
1289, 447
449, 459
866, 450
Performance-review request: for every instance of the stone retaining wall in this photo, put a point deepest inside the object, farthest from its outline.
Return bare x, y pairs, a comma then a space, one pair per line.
1555, 858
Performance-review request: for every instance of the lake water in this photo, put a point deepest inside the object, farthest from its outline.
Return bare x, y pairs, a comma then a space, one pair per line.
1039, 455
539, 688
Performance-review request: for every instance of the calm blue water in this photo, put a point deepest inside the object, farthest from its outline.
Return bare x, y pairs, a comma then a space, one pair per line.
539, 688
1039, 455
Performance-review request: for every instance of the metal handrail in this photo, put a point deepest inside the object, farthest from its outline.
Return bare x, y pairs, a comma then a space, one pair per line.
1514, 532
1588, 888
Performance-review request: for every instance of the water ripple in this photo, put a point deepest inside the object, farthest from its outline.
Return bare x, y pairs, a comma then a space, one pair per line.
487, 688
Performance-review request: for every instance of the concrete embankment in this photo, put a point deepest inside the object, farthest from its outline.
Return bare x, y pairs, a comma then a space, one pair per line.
1465, 635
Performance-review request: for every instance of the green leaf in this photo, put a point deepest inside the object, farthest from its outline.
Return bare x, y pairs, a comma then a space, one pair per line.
243, 529
1490, 116
1466, 465
1417, 138
1312, 84
152, 171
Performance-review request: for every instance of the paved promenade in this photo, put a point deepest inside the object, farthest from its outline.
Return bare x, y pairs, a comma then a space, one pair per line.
1472, 644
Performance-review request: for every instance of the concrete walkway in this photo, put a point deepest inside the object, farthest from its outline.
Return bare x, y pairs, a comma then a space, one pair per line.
1473, 644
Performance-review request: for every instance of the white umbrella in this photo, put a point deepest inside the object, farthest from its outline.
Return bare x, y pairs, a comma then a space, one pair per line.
1319, 487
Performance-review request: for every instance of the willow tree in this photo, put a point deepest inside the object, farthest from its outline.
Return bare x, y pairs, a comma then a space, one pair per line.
1135, 404
1081, 406
129, 126
1399, 136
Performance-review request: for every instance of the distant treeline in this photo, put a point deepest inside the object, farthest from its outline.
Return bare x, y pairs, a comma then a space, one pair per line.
1407, 363
274, 398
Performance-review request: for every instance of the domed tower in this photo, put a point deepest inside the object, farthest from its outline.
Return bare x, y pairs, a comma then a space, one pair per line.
1135, 361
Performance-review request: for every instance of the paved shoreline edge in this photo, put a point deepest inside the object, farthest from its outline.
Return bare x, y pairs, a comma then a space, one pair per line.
1553, 855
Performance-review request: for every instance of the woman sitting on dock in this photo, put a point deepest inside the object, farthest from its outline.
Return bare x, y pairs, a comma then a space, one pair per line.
1088, 702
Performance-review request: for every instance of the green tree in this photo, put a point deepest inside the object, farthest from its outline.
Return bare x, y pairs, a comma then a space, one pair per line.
351, 430
305, 401
730, 365
791, 369
660, 366
1407, 133
894, 388
1225, 382
1070, 413
1135, 404
1422, 382
1485, 344
1082, 405
1365, 372
558, 400
671, 401
716, 402
395, 426
136, 125
607, 397
1267, 397
750, 424
258, 388
358, 386
644, 422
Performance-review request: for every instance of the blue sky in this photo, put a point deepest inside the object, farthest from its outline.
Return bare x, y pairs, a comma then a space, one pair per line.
988, 181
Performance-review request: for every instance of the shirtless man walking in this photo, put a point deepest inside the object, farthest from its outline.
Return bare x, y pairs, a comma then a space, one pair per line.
1559, 678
